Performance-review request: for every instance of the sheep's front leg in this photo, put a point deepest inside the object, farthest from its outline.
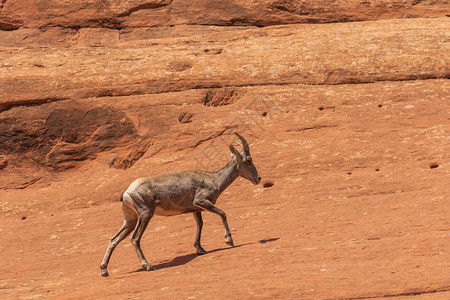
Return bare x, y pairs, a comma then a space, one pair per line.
207, 205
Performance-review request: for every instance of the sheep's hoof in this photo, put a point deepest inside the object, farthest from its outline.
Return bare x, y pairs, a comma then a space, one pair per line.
201, 251
105, 273
230, 242
149, 267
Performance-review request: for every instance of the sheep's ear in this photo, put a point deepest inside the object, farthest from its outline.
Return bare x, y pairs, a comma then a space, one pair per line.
235, 153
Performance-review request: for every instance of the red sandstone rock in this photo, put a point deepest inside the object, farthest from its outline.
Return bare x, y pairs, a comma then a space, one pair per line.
3, 162
122, 14
348, 125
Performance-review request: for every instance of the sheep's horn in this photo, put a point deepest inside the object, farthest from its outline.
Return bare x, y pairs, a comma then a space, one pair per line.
243, 144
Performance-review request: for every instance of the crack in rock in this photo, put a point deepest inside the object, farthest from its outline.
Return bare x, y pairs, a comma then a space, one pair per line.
21, 186
414, 292
25, 103
148, 5
210, 137
313, 127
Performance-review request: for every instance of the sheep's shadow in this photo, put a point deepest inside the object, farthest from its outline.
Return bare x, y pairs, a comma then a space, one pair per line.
184, 259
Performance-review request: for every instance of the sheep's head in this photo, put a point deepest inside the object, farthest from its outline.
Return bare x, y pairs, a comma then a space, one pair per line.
246, 167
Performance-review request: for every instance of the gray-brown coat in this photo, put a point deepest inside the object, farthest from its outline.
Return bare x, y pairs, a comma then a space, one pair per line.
179, 193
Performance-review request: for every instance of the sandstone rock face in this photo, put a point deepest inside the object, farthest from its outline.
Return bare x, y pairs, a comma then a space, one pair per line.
345, 105
347, 53
122, 14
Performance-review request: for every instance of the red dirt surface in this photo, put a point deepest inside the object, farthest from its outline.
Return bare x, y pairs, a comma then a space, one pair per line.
348, 124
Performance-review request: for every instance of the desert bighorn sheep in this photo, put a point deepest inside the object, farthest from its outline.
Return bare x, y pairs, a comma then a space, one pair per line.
179, 193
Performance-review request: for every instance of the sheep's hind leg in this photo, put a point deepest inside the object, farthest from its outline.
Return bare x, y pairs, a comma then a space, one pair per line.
128, 225
199, 221
144, 218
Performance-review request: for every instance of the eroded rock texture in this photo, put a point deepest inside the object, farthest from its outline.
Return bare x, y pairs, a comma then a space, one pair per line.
345, 105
